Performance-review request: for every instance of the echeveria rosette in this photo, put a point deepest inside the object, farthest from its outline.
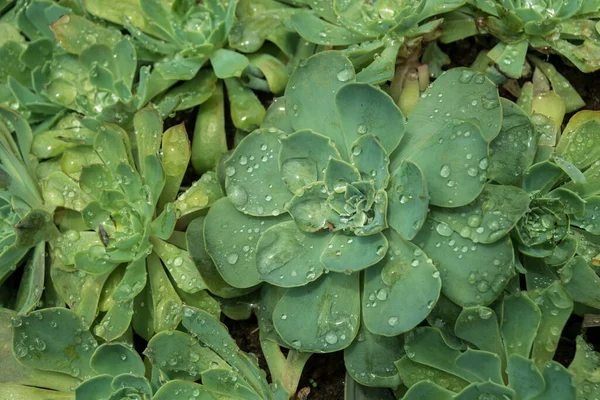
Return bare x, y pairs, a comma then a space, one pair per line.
111, 259
558, 235
311, 202
26, 45
505, 350
563, 27
373, 31
52, 354
27, 220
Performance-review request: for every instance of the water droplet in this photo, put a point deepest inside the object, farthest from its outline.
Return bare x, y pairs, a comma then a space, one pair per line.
393, 321
444, 229
232, 258
382, 294
331, 338
445, 171
345, 74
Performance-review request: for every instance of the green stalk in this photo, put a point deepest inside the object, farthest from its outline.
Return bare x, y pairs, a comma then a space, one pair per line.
175, 159
209, 140
285, 370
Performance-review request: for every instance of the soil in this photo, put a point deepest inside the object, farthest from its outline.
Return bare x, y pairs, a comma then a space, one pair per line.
324, 374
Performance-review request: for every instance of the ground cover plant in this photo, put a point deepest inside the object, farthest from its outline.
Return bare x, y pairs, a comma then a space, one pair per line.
200, 199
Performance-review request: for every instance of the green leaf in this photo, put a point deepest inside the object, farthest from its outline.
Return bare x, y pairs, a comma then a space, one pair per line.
478, 285
457, 94
581, 281
313, 107
513, 150
211, 333
370, 359
287, 256
165, 302
303, 158
383, 68
163, 226
180, 356
197, 249
559, 383
247, 112
228, 64
18, 392
524, 377
480, 326
81, 291
556, 306
209, 140
310, 209
454, 163
370, 158
576, 144
32, 282
67, 31
350, 253
425, 345
315, 30
391, 302
96, 388
363, 109
253, 181
408, 200
171, 389
180, 265
115, 359
54, 339
231, 238
116, 321
14, 372
489, 217
510, 58
520, 321
328, 319
148, 128
175, 158
428, 390
132, 282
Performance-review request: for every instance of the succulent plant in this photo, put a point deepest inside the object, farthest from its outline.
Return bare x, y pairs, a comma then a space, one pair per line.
27, 222
53, 349
500, 352
565, 28
374, 33
121, 228
310, 198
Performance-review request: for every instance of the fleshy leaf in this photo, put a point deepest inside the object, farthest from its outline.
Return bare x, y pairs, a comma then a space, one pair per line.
366, 110
333, 311
391, 302
489, 217
408, 200
115, 359
370, 359
313, 106
287, 256
303, 158
254, 185
43, 337
349, 253
231, 239
493, 264
513, 150
454, 163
